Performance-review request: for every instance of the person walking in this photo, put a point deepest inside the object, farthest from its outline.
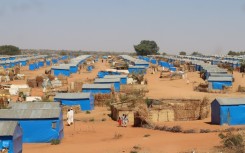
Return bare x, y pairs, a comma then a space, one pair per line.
72, 115
68, 115
125, 120
119, 121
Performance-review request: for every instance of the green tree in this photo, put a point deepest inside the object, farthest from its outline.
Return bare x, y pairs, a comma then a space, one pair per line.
9, 50
196, 54
182, 53
232, 53
164, 53
147, 47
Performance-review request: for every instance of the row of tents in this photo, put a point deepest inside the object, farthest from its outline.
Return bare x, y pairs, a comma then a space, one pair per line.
72, 67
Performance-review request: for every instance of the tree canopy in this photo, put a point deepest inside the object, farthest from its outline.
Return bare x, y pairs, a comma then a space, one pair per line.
146, 47
182, 53
196, 54
233, 53
9, 50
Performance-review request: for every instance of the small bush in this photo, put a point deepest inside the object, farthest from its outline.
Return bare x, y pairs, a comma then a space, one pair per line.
103, 119
147, 135
136, 147
190, 131
117, 136
91, 120
205, 131
231, 129
176, 129
232, 141
133, 151
87, 112
55, 142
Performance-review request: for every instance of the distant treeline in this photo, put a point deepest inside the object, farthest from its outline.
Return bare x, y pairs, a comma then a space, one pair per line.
233, 53
9, 50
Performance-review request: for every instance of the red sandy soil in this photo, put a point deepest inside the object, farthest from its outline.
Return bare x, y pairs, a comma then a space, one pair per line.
98, 136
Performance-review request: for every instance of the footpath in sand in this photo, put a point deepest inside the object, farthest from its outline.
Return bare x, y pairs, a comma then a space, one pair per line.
99, 136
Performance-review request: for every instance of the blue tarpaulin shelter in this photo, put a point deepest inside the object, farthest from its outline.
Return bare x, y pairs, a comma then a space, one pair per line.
40, 63
32, 67
48, 63
228, 111
219, 82
153, 61
137, 69
101, 74
123, 78
38, 125
10, 136
61, 70
85, 100
23, 62
97, 88
114, 81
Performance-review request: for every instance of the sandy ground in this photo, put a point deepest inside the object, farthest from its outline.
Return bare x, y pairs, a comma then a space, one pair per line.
98, 136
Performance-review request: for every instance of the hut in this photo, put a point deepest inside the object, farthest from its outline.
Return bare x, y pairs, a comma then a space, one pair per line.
48, 63
61, 70
228, 111
85, 100
114, 81
23, 62
153, 61
123, 78
137, 69
218, 83
10, 136
38, 125
54, 61
40, 63
97, 88
32, 66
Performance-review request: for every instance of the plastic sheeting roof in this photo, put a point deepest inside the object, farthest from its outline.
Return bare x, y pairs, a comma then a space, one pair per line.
7, 128
72, 95
97, 86
35, 105
29, 113
107, 80
231, 101
115, 76
219, 78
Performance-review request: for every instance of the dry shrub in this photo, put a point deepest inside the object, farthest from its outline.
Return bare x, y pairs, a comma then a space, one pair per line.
204, 108
189, 131
104, 99
241, 89
205, 130
176, 129
232, 142
32, 83
141, 117
51, 77
117, 136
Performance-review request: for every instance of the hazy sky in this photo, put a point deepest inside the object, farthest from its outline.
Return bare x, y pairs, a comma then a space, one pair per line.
210, 26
